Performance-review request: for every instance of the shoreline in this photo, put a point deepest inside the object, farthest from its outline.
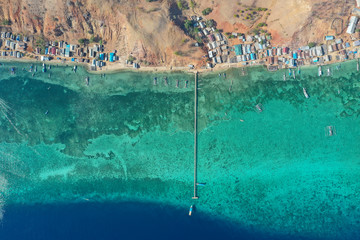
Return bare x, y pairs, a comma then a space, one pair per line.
107, 69
113, 69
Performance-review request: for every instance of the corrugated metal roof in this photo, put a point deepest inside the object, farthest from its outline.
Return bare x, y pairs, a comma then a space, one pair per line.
111, 57
357, 43
352, 25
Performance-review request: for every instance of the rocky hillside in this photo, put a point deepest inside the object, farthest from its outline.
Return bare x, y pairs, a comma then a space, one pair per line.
137, 27
150, 29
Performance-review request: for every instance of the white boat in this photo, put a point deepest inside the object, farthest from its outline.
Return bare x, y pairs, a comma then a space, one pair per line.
87, 81
305, 93
320, 71
259, 107
330, 131
328, 72
191, 210
284, 77
293, 72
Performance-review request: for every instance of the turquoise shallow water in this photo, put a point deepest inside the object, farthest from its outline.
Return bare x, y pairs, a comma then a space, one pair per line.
122, 138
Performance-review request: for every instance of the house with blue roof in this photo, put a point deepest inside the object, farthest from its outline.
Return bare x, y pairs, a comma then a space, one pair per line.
67, 51
248, 48
111, 57
252, 56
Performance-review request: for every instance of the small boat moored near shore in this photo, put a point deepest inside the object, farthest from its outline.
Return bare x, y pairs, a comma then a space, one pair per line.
259, 108
320, 71
191, 210
200, 184
305, 93
330, 131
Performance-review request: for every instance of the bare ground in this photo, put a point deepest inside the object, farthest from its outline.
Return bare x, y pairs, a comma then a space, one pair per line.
147, 31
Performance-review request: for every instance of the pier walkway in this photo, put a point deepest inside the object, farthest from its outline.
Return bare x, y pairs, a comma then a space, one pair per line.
195, 136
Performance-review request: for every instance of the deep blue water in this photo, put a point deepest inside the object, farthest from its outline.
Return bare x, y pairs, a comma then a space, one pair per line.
113, 221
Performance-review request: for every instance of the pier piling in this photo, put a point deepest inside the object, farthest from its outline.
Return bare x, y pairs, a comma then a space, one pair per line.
195, 137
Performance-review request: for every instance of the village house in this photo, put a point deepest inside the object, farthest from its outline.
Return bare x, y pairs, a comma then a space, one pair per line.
12, 45
20, 46
352, 25
7, 43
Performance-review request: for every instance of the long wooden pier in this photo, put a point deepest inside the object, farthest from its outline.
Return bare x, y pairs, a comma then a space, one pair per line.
195, 137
